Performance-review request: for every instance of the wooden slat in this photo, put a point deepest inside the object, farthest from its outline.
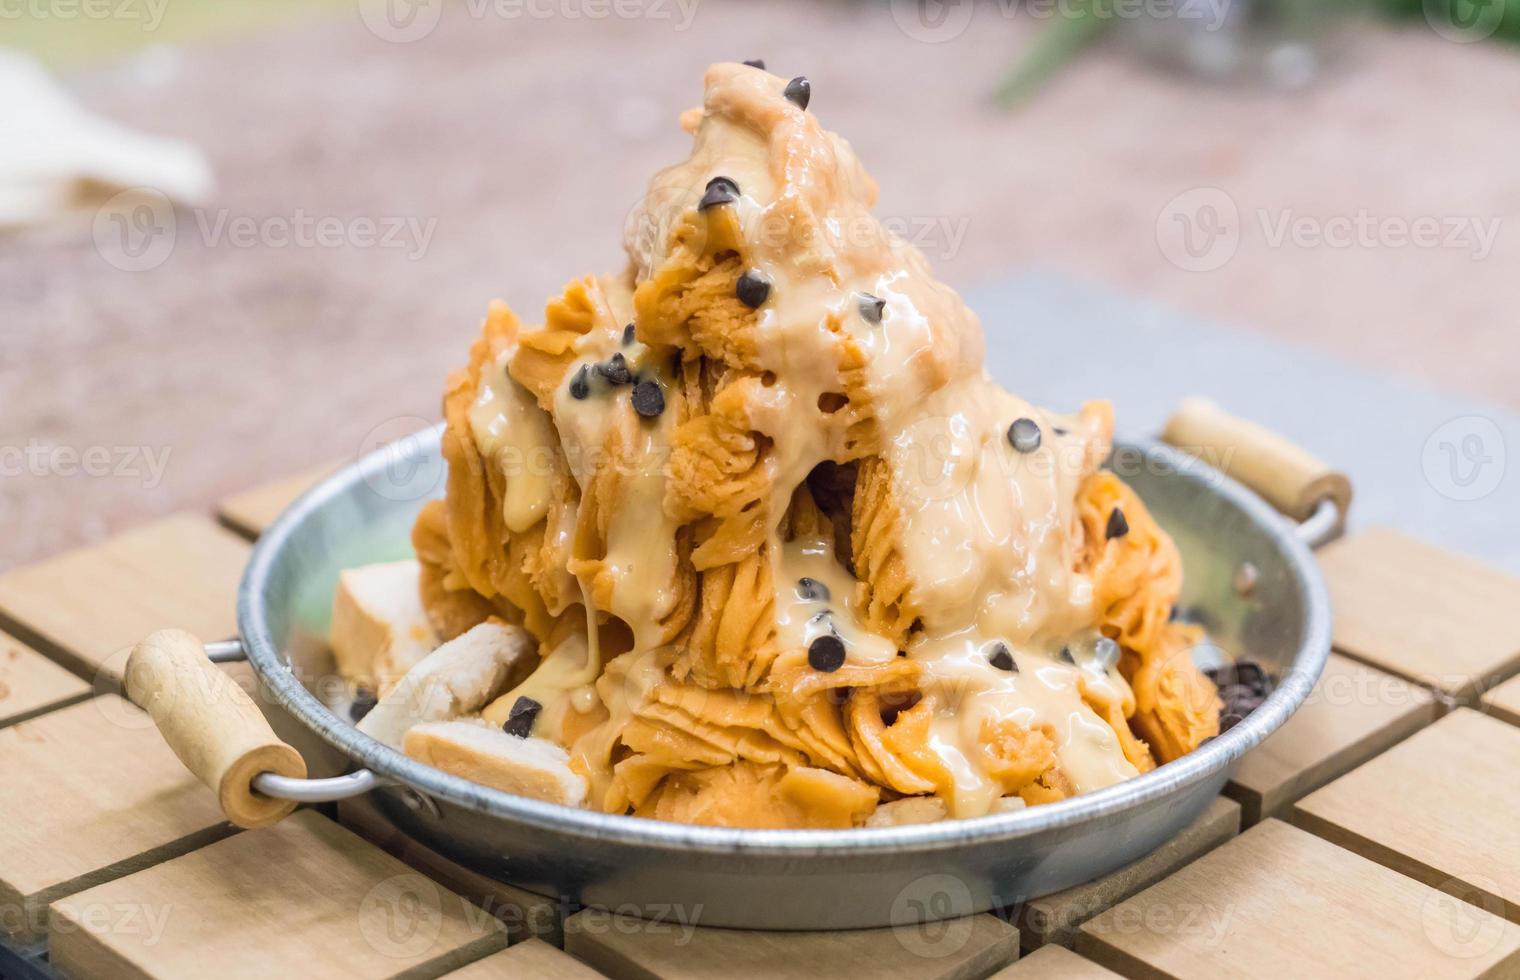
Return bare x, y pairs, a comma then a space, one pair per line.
1442, 807
1280, 902
1054, 962
1415, 610
532, 958
94, 603
1353, 713
630, 948
251, 511
1504, 701
31, 683
525, 914
304, 898
90, 792
1057, 918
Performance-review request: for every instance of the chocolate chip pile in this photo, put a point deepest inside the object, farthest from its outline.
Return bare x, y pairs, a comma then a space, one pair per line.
1243, 686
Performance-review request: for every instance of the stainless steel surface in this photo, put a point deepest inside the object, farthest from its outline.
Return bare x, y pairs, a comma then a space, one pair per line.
789, 879
226, 652
323, 790
1322, 525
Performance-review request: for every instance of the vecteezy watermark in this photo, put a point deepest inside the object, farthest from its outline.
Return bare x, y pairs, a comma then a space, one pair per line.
137, 230
938, 21
1463, 917
137, 919
401, 916
1464, 459
148, 13
403, 469
1201, 229
930, 916
145, 464
1464, 21
404, 21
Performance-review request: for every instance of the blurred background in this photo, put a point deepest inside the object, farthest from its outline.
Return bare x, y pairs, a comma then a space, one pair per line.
243, 239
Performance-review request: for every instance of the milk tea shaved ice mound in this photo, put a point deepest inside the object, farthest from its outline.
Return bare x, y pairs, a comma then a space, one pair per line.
788, 557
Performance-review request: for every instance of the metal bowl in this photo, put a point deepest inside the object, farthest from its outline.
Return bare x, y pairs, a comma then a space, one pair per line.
778, 879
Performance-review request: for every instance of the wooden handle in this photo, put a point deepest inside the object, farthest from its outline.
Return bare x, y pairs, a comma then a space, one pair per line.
211, 724
1289, 478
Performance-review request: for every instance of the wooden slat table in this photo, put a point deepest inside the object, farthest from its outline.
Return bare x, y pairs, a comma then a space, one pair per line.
1401, 861
1054, 962
31, 684
305, 898
624, 947
91, 792
89, 606
1056, 918
530, 958
1353, 713
1442, 807
1279, 902
1407, 607
1504, 701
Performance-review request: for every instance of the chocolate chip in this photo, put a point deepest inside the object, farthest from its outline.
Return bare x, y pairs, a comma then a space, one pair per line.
580, 385
1002, 658
812, 590
1118, 526
757, 63
1024, 435
1246, 674
522, 716
826, 653
648, 399
615, 370
871, 307
1058, 430
364, 703
752, 289
628, 335
1066, 656
720, 190
799, 92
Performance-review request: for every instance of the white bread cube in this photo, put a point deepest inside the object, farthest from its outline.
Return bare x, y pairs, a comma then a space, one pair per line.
909, 810
483, 753
379, 628
457, 679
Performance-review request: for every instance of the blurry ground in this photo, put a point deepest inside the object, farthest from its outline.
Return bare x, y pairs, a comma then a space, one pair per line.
514, 147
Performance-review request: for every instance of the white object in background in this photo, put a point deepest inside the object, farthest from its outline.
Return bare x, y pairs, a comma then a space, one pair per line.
56, 157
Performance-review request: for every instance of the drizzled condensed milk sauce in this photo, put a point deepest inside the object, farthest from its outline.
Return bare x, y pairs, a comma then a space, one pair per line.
988, 532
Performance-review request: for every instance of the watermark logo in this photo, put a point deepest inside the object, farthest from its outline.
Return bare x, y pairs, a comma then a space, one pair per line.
930, 916
136, 229
1199, 229
401, 916
1463, 918
1464, 21
400, 21
1464, 459
406, 470
148, 13
933, 21
404, 21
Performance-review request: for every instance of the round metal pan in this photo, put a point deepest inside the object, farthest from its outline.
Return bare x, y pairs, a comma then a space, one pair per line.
778, 879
